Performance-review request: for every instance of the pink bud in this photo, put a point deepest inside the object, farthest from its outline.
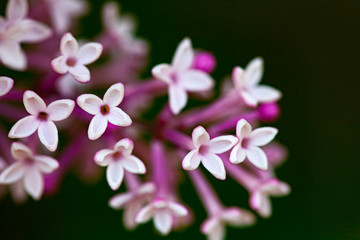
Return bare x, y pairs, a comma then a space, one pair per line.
205, 61
269, 112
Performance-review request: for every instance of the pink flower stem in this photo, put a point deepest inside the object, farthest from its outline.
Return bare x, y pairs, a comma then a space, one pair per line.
179, 139
151, 87
160, 170
132, 181
242, 176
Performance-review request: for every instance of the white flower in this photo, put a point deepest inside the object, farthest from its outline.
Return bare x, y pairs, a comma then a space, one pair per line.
73, 59
181, 78
214, 227
17, 29
246, 83
162, 212
104, 110
259, 199
6, 84
250, 142
206, 151
117, 160
28, 168
132, 202
42, 119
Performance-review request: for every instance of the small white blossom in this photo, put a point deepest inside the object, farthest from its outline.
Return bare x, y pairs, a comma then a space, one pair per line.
206, 151
181, 78
6, 84
28, 168
74, 59
250, 142
246, 83
117, 160
42, 119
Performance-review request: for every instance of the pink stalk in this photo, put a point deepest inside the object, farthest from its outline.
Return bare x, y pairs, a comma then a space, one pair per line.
179, 139
243, 177
160, 170
132, 181
152, 87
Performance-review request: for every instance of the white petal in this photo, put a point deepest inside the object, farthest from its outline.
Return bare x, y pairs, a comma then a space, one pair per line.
34, 183
146, 188
48, 135
261, 203
114, 95
265, 94
262, 136
184, 55
163, 221
133, 164
46, 164
257, 157
248, 98
89, 53
115, 174
238, 217
33, 31
16, 9
12, 55
6, 84
238, 77
237, 154
254, 71
178, 209
243, 129
68, 45
162, 72
80, 73
210, 225
103, 157
275, 188
222, 144
177, 97
214, 165
118, 201
13, 173
24, 127
59, 65
194, 81
125, 145
97, 127
200, 136
118, 117
145, 214
20, 151
90, 103
191, 160
33, 103
60, 109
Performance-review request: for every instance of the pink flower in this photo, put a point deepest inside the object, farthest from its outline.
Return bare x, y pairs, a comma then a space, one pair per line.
29, 168
246, 83
6, 84
16, 29
250, 142
73, 59
206, 151
117, 160
104, 110
163, 213
42, 119
181, 78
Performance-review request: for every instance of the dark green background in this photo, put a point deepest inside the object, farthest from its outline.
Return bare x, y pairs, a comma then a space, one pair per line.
311, 51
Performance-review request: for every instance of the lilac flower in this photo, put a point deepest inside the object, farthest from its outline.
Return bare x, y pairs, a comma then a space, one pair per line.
117, 160
29, 168
73, 59
246, 83
42, 119
6, 84
205, 151
250, 142
104, 110
17, 29
181, 78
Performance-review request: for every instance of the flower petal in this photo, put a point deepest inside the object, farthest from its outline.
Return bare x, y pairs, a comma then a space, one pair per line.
46, 164
60, 109
178, 98
97, 127
163, 221
48, 135
103, 157
80, 73
59, 65
6, 84
119, 200
257, 157
114, 95
145, 214
222, 144
20, 151
243, 129
260, 203
13, 173
125, 145
133, 164
24, 127
275, 188
238, 77
12, 55
214, 165
248, 98
265, 94
162, 72
68, 45
238, 154
118, 117
178, 209
34, 183
90, 103
262, 136
184, 55
16, 9
89, 53
33, 31
254, 71
114, 174
191, 160
210, 225
238, 217
200, 136
33, 103
194, 81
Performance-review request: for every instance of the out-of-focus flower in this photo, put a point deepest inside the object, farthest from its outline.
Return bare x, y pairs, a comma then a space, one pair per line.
6, 84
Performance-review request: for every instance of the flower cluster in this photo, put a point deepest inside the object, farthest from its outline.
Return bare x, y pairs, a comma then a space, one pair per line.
151, 156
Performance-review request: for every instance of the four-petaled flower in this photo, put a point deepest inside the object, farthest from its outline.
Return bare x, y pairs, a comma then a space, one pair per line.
17, 29
206, 151
104, 110
117, 160
163, 212
250, 142
42, 119
246, 83
73, 59
28, 167
181, 78
6, 84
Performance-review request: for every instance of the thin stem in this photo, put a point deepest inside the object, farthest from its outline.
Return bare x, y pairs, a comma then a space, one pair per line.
132, 181
160, 170
242, 176
179, 139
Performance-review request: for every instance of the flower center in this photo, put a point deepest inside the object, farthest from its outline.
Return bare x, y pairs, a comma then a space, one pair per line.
71, 62
117, 155
245, 143
174, 78
28, 161
203, 150
104, 109
43, 116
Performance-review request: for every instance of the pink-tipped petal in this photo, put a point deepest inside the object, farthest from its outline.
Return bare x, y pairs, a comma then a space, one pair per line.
97, 127
133, 164
6, 84
178, 98
59, 65
191, 161
20, 151
89, 53
90, 103
103, 157
24, 127
194, 81
12, 55
68, 45
200, 136
120, 200
163, 221
80, 73
33, 103
118, 117
222, 144
243, 129
125, 145
13, 173
237, 154
48, 135
114, 95
214, 165
60, 109
210, 225
262, 136
114, 174
16, 9
257, 157
162, 72
254, 71
184, 55
266, 94
46, 164
34, 183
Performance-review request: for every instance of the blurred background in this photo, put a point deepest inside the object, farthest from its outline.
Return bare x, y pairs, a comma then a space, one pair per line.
311, 51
